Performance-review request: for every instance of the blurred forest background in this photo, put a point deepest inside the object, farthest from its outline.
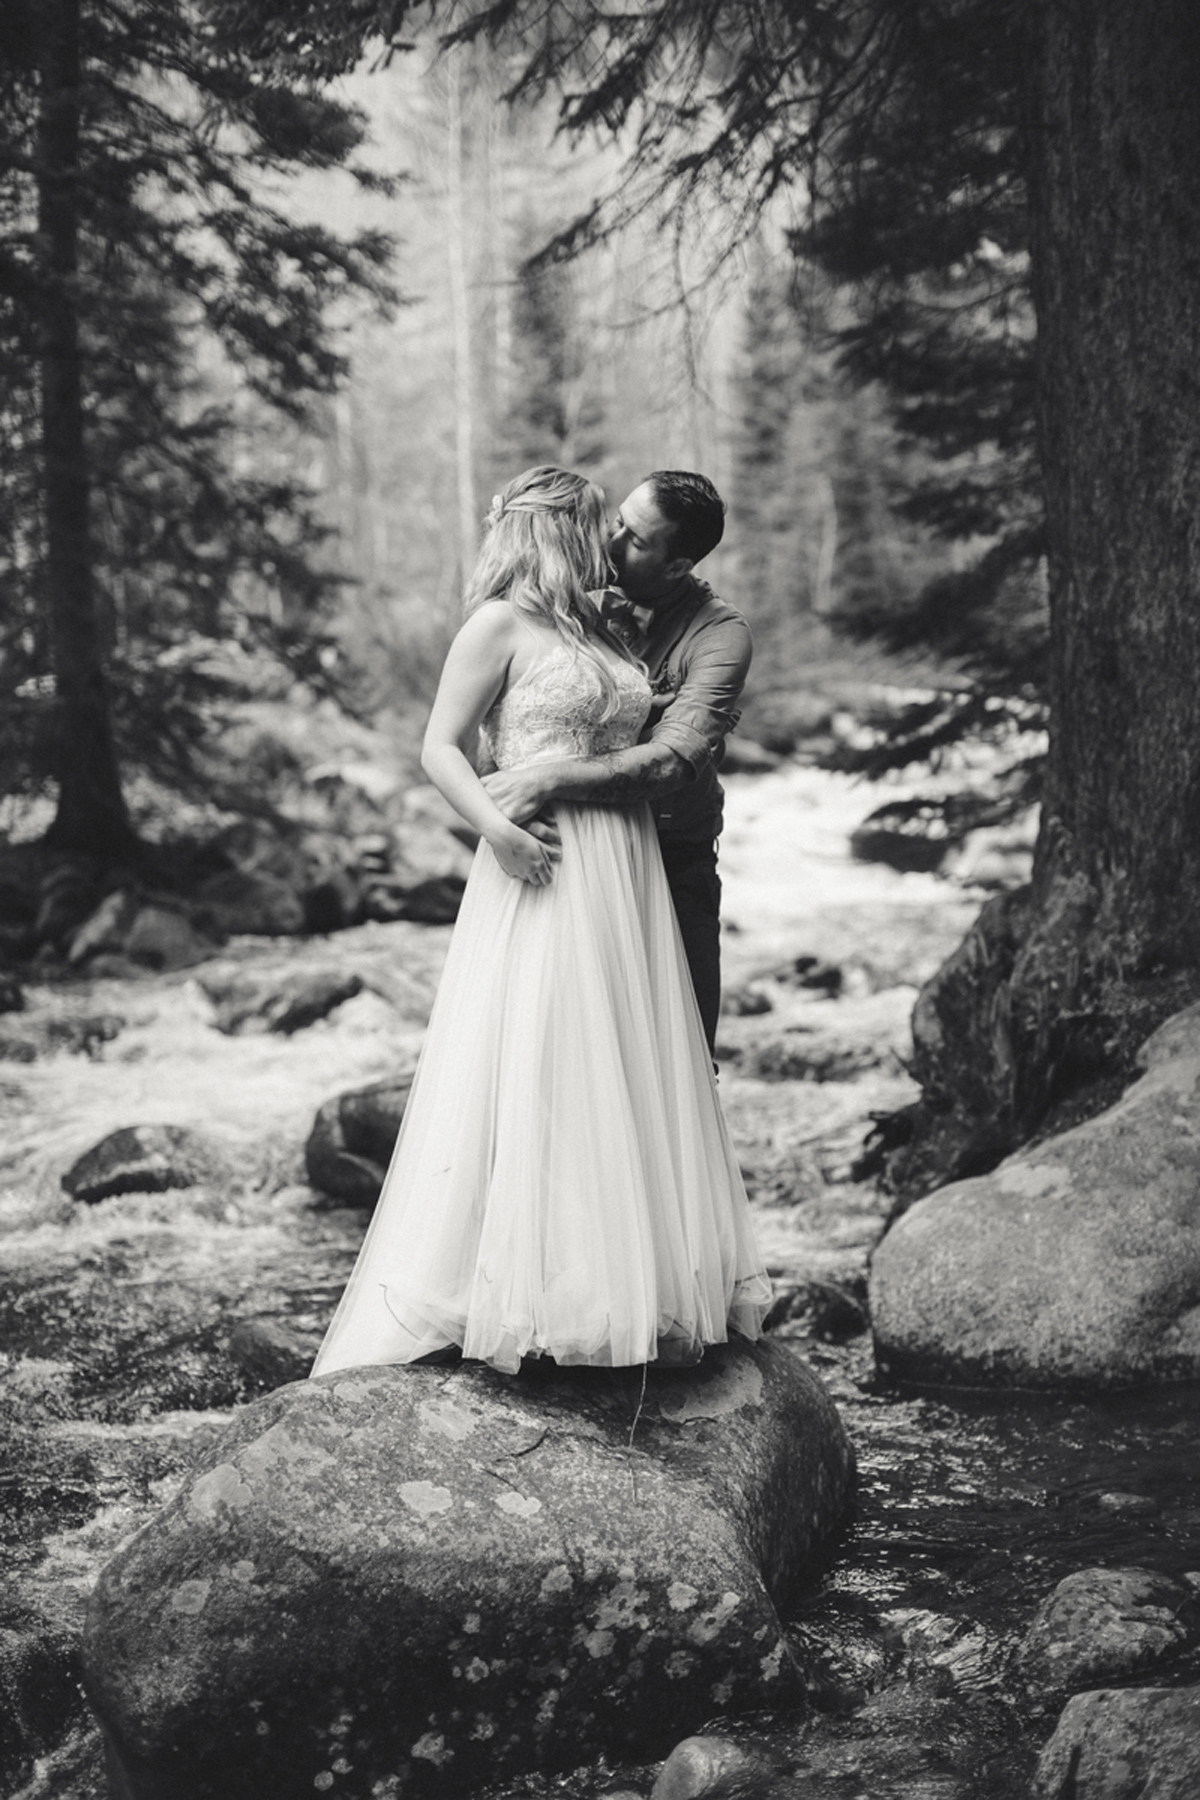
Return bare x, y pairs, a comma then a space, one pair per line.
320, 316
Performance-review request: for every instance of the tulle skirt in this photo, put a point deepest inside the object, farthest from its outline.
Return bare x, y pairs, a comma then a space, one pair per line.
563, 1183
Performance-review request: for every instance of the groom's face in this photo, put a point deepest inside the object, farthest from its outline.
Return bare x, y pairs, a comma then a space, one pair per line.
640, 545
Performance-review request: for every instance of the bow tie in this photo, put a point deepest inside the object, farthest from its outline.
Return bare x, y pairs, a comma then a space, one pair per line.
627, 621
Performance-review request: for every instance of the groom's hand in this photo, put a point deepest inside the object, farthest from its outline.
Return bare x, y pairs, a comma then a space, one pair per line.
519, 793
546, 832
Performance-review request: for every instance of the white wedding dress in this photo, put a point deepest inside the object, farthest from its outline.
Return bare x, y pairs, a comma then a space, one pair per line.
563, 1183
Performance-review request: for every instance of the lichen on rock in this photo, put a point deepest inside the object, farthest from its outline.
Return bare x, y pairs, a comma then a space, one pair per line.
477, 1575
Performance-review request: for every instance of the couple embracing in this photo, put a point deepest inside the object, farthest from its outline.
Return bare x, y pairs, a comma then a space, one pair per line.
564, 1184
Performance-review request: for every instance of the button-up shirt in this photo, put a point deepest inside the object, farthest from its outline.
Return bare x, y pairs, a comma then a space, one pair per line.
697, 653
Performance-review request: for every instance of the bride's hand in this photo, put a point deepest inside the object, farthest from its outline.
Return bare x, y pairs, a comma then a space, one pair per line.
523, 857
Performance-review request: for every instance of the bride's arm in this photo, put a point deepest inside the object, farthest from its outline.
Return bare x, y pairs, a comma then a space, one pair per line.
474, 674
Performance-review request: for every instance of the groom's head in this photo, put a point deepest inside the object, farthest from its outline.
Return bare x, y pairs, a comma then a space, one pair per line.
666, 525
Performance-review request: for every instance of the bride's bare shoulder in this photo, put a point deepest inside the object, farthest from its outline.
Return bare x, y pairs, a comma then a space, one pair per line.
493, 616
492, 628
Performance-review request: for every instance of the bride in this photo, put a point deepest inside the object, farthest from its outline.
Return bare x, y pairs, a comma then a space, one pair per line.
563, 1184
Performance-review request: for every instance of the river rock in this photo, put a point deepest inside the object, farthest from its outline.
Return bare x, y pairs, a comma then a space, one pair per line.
12, 999
817, 1041
1107, 1625
434, 902
251, 901
352, 1139
284, 1003
409, 1581
162, 938
106, 930
334, 903
708, 1767
746, 1002
1124, 1744
143, 1159
66, 895
813, 973
39, 1695
1075, 1263
77, 1035
273, 1351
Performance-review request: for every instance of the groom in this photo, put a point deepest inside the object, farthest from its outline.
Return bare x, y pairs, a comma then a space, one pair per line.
697, 651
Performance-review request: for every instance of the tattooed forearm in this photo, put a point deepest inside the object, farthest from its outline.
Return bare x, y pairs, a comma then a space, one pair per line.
645, 772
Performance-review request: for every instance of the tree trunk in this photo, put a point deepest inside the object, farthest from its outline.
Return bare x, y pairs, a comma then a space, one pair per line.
460, 317
1053, 992
91, 819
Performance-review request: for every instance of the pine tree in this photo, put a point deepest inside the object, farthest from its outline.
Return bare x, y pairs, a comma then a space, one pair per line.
937, 144
138, 237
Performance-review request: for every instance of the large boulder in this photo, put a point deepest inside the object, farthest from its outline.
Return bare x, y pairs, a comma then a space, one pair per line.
409, 1581
1107, 1625
1075, 1263
1124, 1744
352, 1139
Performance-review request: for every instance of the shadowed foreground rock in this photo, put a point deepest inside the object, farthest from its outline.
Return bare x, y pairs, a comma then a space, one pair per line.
412, 1581
1124, 1744
1075, 1263
1107, 1625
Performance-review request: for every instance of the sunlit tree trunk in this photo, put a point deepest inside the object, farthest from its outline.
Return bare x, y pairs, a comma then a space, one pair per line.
91, 818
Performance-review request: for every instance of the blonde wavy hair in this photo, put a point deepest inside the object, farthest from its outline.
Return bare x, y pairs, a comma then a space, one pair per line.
544, 551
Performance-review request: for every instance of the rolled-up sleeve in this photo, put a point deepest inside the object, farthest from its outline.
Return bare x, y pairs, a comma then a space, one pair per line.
703, 710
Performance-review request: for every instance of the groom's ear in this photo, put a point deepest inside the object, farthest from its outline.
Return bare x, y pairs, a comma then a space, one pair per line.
678, 567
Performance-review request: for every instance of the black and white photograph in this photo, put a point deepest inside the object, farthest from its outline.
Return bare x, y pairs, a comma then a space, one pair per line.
599, 899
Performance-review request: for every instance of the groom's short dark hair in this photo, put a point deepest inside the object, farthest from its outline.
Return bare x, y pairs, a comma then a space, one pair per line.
693, 506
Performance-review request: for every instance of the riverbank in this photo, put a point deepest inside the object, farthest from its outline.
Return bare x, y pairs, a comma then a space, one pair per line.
130, 1325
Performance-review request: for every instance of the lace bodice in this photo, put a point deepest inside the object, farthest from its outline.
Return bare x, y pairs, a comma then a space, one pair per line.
555, 710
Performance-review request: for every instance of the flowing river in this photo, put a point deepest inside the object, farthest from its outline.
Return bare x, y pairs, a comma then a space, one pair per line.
115, 1320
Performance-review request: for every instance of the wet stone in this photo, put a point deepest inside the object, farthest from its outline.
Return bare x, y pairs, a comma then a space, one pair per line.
433, 902
284, 1003
1124, 1744
451, 1577
143, 1159
273, 1351
715, 1768
39, 1695
351, 1142
1104, 1625
813, 973
745, 1002
163, 938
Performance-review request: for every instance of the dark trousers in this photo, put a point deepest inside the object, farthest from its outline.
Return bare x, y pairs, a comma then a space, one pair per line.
695, 886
